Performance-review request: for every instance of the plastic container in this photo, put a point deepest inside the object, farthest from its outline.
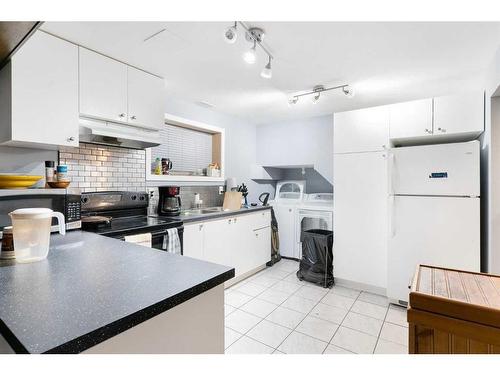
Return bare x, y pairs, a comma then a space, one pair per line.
31, 232
62, 173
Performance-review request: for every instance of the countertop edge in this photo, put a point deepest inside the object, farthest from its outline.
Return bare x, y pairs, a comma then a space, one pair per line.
205, 217
104, 333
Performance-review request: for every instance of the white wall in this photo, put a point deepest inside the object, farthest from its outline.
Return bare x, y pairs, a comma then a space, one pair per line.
299, 142
240, 141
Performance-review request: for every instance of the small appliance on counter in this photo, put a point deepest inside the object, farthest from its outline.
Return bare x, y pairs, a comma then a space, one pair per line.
66, 201
169, 203
124, 215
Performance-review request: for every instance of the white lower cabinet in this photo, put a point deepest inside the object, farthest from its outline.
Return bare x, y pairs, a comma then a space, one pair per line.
240, 241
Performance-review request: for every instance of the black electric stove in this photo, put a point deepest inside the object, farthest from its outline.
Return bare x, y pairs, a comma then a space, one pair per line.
118, 214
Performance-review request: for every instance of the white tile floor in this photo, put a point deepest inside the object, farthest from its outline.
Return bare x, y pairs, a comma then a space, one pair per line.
274, 312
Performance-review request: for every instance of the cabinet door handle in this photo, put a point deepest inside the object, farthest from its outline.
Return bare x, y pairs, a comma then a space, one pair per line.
234, 220
71, 139
229, 221
201, 226
133, 118
289, 210
256, 234
428, 131
442, 130
121, 115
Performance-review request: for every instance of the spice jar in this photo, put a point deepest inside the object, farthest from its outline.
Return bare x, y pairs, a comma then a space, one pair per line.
7, 244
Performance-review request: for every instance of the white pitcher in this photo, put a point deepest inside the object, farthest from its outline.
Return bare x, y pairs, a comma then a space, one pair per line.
31, 232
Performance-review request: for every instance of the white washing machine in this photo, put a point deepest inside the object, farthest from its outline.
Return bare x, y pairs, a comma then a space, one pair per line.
289, 195
315, 212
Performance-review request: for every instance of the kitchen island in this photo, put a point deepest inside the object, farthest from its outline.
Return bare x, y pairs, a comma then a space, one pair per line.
95, 294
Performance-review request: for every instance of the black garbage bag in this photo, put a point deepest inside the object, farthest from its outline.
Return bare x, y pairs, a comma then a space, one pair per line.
316, 264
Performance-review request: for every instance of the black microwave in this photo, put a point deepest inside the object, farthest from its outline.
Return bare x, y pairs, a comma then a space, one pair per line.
66, 201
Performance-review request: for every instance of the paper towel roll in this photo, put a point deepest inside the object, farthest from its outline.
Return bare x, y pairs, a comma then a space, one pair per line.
231, 183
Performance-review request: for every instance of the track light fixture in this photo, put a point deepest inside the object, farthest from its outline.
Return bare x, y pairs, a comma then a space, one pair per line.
267, 72
254, 35
231, 34
250, 56
317, 90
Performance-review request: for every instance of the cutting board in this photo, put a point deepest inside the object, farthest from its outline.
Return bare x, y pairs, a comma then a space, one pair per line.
232, 200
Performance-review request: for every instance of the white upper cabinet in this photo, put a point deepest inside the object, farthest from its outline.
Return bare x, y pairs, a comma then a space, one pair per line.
39, 94
113, 91
411, 119
361, 130
456, 114
103, 87
145, 104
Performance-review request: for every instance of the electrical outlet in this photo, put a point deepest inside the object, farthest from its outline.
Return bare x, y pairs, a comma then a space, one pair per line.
221, 190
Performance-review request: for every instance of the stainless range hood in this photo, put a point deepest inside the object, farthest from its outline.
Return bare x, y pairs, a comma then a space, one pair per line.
118, 135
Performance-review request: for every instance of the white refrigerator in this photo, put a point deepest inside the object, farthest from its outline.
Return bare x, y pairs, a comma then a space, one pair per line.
434, 211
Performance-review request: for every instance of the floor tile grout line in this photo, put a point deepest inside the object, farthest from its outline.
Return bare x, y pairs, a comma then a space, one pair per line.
381, 328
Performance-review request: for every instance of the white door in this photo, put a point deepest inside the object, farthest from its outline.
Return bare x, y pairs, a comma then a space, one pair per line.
145, 105
218, 237
360, 218
103, 87
45, 91
446, 169
285, 216
193, 238
361, 130
436, 231
457, 114
411, 119
261, 253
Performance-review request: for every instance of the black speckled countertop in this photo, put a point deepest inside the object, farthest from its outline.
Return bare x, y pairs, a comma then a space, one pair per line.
91, 288
210, 216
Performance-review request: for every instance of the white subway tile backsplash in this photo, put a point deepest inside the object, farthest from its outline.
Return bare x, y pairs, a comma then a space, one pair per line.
100, 168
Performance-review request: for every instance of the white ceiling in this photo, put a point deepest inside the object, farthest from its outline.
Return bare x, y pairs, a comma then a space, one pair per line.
384, 62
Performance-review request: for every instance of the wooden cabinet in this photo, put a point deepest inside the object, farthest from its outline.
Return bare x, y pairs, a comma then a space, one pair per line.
411, 119
39, 94
145, 99
361, 130
103, 87
240, 241
285, 216
360, 218
454, 312
458, 114
113, 91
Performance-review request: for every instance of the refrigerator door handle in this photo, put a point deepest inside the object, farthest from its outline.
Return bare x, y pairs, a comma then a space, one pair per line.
390, 172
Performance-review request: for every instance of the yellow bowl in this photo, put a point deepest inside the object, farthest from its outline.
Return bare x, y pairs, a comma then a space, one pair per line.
13, 181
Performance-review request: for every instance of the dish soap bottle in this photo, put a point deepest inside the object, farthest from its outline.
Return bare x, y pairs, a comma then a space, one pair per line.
158, 166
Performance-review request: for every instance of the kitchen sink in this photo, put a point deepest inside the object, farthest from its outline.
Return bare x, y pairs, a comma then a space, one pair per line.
202, 211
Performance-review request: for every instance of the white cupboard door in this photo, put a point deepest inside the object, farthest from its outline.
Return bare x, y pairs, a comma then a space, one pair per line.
411, 119
360, 218
193, 239
218, 238
457, 114
285, 216
45, 91
103, 87
145, 105
261, 253
436, 231
361, 130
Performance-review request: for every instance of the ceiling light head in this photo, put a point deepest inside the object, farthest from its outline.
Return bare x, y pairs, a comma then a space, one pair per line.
293, 100
348, 91
255, 33
267, 72
250, 56
317, 90
231, 34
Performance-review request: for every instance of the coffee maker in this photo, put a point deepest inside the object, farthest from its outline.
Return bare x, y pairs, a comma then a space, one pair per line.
169, 203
